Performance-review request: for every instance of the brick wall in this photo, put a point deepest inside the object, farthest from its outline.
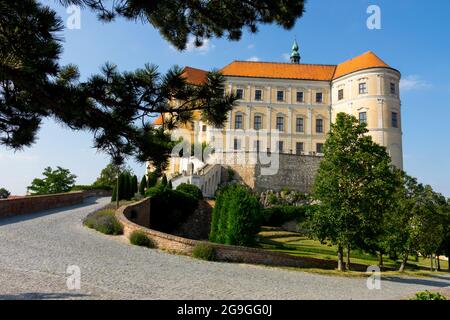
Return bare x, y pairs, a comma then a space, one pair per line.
23, 205
227, 253
13, 207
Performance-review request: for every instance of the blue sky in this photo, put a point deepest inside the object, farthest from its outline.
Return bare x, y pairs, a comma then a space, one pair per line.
413, 39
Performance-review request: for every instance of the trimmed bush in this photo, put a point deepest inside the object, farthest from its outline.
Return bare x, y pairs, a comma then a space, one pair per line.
237, 216
204, 251
191, 190
104, 221
139, 238
91, 187
169, 208
143, 185
427, 295
278, 215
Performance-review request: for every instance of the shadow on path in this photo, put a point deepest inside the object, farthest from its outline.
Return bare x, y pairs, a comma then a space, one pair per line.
418, 281
43, 296
28, 216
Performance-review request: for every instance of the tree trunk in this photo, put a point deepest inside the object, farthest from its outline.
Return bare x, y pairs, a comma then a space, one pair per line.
340, 258
438, 263
347, 264
117, 189
404, 261
380, 260
431, 262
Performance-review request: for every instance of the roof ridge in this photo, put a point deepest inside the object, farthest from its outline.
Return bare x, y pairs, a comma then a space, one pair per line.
288, 63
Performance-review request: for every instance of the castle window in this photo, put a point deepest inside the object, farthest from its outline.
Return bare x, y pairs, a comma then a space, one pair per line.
341, 94
319, 148
238, 121
319, 97
280, 146
300, 96
280, 123
258, 95
237, 144
280, 95
363, 117
299, 125
257, 122
362, 88
319, 125
204, 128
299, 147
394, 120
239, 93
393, 88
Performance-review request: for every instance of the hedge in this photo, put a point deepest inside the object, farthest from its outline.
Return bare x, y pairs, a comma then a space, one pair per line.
190, 189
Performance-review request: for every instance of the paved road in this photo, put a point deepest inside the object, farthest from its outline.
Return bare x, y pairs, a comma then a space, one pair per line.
36, 249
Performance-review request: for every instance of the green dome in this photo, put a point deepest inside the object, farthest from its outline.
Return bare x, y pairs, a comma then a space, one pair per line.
294, 52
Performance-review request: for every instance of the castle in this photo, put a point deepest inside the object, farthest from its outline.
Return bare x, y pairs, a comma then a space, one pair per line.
287, 109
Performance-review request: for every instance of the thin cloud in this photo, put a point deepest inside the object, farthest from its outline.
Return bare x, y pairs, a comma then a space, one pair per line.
253, 58
250, 46
191, 47
413, 82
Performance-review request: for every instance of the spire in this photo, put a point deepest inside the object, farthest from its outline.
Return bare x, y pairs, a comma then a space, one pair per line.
295, 55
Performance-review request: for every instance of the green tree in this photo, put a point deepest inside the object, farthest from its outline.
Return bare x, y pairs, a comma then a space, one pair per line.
354, 184
121, 192
237, 217
4, 194
54, 181
152, 179
178, 20
143, 185
134, 184
108, 175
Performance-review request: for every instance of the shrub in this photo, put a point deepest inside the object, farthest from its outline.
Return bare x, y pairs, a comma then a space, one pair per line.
191, 190
104, 221
204, 251
236, 217
152, 179
427, 295
91, 187
143, 185
139, 238
278, 215
170, 208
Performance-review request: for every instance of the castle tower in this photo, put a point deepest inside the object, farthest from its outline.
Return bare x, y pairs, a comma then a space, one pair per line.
295, 55
368, 88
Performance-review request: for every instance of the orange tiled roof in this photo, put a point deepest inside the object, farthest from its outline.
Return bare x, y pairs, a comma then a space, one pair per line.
158, 121
364, 61
279, 70
194, 76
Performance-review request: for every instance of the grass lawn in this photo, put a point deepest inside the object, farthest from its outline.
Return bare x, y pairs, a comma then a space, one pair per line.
275, 239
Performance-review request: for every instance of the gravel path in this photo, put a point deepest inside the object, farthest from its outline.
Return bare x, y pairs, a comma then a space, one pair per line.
36, 249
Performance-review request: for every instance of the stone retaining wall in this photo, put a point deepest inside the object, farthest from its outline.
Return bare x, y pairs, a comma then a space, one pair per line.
17, 206
227, 253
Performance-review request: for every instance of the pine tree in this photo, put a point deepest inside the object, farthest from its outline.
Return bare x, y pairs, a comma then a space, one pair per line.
134, 184
143, 185
164, 181
114, 194
121, 191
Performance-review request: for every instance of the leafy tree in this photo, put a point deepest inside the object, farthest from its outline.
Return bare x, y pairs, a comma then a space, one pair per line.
354, 185
108, 175
143, 185
178, 20
4, 194
55, 181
